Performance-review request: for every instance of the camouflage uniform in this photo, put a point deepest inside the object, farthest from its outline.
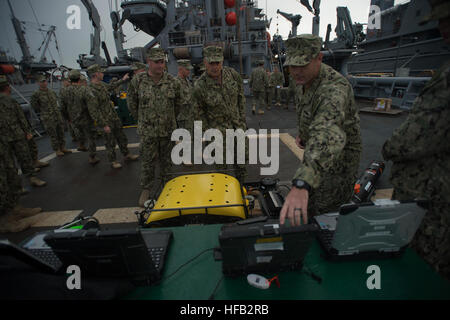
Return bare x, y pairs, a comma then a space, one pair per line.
184, 108
10, 184
104, 114
420, 152
276, 80
45, 102
328, 124
153, 106
14, 127
75, 107
63, 97
259, 82
290, 93
221, 106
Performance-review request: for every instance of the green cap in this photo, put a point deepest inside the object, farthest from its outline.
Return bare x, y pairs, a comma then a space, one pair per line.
74, 75
42, 78
260, 62
156, 54
138, 66
302, 49
3, 81
440, 9
185, 64
94, 68
213, 54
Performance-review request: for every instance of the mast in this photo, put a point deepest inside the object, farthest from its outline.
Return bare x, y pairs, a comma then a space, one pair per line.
27, 58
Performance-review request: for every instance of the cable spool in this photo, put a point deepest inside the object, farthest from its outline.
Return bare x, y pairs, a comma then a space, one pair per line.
182, 53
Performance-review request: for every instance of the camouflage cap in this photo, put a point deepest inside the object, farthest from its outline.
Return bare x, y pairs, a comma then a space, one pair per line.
74, 75
440, 9
94, 68
3, 81
156, 54
213, 54
185, 64
302, 49
138, 66
41, 78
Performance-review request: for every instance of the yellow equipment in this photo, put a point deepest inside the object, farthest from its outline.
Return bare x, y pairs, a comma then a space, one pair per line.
199, 198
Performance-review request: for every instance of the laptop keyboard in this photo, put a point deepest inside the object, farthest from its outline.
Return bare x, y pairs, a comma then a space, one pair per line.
47, 256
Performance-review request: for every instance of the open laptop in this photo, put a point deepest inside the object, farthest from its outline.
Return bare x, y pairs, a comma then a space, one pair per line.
381, 229
130, 253
262, 245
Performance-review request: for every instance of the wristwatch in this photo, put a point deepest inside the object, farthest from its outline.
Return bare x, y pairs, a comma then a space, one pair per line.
300, 184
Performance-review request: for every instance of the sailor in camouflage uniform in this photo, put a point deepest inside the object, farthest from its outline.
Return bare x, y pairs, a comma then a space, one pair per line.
75, 108
184, 108
276, 82
259, 82
45, 103
220, 101
420, 152
329, 133
290, 93
102, 111
11, 213
16, 131
62, 94
151, 100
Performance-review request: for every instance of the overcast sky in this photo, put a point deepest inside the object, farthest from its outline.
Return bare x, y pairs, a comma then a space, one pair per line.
73, 42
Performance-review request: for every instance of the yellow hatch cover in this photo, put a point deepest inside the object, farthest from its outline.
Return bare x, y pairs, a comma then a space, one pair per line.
200, 191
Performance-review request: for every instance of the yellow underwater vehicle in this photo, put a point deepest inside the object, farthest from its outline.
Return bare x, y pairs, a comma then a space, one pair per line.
208, 198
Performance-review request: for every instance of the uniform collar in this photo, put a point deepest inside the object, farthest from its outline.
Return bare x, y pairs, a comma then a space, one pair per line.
164, 79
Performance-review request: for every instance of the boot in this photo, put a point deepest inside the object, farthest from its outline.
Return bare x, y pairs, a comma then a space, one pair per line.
82, 147
93, 160
260, 112
116, 165
41, 164
12, 223
145, 194
37, 169
131, 157
23, 212
59, 153
63, 149
254, 110
35, 181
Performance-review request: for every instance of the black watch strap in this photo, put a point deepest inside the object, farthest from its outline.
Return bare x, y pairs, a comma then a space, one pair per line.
301, 184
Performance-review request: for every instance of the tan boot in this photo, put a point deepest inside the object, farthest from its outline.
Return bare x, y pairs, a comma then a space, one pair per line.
116, 165
260, 112
12, 223
93, 160
63, 149
131, 157
41, 164
35, 181
59, 153
23, 212
145, 194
